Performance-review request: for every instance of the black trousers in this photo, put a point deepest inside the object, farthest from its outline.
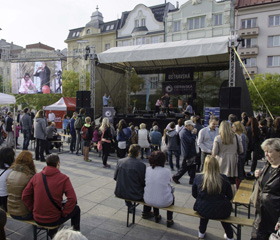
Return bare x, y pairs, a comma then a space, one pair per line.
203, 156
40, 148
75, 217
169, 213
106, 147
227, 227
185, 168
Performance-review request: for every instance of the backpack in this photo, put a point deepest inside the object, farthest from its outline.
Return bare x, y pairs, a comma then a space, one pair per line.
84, 133
78, 124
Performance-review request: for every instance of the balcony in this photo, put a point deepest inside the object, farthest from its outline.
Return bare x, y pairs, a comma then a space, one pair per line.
249, 51
248, 31
252, 70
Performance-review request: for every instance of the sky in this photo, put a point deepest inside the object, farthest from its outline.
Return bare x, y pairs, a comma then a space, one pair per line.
26, 22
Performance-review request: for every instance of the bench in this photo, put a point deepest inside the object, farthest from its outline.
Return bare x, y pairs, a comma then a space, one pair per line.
242, 196
37, 229
236, 222
58, 141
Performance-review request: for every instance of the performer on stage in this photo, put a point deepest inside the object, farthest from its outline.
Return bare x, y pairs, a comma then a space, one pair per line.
105, 100
166, 100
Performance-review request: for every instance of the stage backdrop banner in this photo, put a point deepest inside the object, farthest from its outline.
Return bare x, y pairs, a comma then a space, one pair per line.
179, 74
178, 88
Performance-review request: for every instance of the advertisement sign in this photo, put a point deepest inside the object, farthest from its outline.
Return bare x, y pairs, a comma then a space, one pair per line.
179, 74
178, 88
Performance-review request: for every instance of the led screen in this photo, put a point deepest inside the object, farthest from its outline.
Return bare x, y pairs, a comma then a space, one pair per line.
36, 77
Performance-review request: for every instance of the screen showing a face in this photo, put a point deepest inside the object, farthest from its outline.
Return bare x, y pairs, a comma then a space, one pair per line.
36, 77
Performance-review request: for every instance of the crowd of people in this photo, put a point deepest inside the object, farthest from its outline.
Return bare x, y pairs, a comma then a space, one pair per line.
214, 157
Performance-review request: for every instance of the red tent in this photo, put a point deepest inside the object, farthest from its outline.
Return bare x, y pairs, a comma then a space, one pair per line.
61, 107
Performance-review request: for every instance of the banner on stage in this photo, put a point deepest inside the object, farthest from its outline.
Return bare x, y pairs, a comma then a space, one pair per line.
178, 88
179, 74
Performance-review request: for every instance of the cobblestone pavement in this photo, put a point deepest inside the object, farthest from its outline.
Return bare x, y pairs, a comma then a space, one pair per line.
103, 216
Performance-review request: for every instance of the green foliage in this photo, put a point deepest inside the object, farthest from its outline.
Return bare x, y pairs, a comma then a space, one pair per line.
137, 83
37, 101
268, 86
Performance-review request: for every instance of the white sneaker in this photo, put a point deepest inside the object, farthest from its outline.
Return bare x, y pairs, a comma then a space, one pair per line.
201, 235
225, 237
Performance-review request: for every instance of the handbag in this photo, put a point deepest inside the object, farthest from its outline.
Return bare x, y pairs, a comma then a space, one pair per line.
275, 236
254, 195
240, 165
99, 143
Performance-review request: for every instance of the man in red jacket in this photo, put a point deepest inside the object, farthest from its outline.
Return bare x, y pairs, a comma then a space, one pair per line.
37, 200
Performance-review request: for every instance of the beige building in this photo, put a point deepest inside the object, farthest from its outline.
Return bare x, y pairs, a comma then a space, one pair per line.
258, 23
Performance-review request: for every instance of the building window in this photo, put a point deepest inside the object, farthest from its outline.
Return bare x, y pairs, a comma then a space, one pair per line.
155, 39
176, 26
88, 31
136, 23
274, 20
218, 19
143, 22
250, 42
274, 41
273, 61
140, 41
107, 46
251, 62
126, 43
249, 23
196, 23
154, 82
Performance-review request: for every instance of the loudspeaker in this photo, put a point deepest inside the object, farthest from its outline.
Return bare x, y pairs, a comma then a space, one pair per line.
235, 98
83, 99
179, 115
224, 97
147, 115
225, 112
79, 99
230, 97
89, 112
130, 115
120, 115
161, 115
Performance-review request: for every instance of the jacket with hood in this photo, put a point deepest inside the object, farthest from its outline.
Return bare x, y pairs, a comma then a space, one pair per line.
40, 128
36, 199
172, 140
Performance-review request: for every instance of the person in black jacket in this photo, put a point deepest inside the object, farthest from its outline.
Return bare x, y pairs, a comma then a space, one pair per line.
212, 192
87, 134
267, 216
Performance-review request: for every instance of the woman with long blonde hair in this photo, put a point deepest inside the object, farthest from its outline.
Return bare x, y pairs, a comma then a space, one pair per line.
225, 150
213, 192
106, 140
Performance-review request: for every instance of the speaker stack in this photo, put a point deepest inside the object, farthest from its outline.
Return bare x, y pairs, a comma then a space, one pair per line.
230, 102
83, 99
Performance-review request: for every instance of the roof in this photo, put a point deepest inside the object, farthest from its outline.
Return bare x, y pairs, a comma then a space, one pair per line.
150, 58
251, 3
63, 104
39, 45
7, 99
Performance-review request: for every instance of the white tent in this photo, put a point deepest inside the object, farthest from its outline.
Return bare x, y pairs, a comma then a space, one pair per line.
7, 99
204, 51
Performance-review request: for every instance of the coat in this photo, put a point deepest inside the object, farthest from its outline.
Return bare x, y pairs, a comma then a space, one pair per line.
16, 182
187, 140
209, 206
227, 155
268, 201
40, 128
36, 199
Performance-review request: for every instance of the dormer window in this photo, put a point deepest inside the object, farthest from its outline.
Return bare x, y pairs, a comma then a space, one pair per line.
136, 23
88, 31
143, 22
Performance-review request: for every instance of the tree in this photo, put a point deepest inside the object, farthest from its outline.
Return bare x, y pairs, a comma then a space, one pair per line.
136, 82
268, 86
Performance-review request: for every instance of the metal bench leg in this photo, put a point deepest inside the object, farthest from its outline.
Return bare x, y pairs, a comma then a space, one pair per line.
249, 211
238, 235
133, 208
34, 232
235, 210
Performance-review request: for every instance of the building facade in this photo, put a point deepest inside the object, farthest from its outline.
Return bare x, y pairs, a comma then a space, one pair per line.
199, 19
258, 23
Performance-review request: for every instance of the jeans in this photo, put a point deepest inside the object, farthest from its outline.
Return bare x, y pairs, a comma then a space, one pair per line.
226, 226
177, 155
185, 168
203, 156
147, 150
78, 141
73, 141
26, 138
10, 139
40, 148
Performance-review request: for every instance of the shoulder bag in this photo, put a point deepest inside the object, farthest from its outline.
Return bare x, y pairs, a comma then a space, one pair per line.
240, 165
99, 143
48, 192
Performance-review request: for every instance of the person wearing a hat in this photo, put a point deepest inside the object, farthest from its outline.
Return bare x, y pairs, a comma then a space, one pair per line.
188, 151
27, 84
